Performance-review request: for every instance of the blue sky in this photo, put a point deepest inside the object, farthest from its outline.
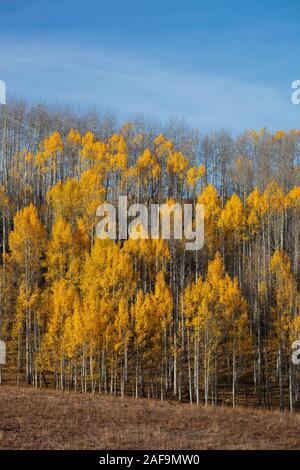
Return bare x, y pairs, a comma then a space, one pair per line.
218, 64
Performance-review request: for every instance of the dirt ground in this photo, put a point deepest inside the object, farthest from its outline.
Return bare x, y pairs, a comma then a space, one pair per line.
42, 419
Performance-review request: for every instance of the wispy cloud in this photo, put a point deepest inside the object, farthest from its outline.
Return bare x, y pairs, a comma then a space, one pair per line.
130, 84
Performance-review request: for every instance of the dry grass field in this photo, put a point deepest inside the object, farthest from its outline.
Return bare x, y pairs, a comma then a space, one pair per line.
42, 419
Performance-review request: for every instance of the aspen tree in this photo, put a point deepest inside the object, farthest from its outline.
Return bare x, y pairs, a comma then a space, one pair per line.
27, 244
284, 312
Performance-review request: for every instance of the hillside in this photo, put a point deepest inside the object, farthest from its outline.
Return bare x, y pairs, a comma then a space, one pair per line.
93, 304
39, 419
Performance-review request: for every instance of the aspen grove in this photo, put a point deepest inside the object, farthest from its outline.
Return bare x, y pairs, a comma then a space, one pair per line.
146, 317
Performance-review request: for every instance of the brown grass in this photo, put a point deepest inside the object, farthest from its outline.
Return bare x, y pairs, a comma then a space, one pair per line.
42, 419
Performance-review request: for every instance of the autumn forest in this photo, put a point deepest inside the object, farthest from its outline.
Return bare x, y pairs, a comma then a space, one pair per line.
146, 318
